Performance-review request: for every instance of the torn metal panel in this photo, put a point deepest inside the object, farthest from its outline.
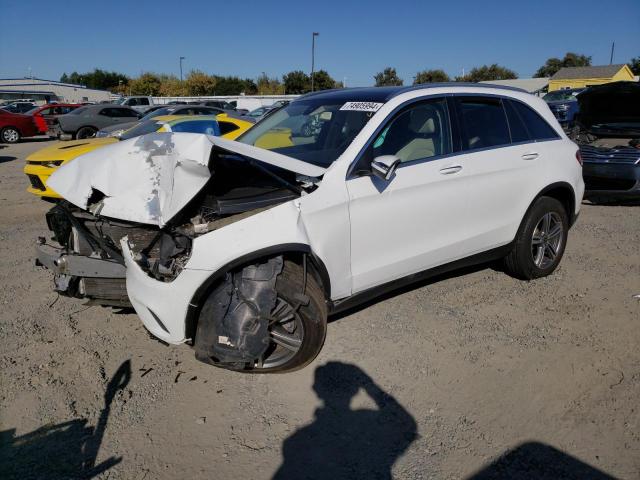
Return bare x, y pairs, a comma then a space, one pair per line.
149, 179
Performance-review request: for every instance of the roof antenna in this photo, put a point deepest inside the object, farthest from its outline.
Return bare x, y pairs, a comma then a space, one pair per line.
613, 47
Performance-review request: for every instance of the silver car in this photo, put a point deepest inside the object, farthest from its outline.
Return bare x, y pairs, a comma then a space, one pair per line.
85, 121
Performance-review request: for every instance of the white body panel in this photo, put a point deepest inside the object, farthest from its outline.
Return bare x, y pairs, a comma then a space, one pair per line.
367, 232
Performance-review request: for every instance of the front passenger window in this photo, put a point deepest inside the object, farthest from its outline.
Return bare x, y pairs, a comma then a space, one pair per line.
420, 132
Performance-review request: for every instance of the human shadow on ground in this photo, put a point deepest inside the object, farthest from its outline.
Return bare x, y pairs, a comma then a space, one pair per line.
64, 451
534, 460
345, 443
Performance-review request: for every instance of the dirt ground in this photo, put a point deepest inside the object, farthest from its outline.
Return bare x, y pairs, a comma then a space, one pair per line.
475, 375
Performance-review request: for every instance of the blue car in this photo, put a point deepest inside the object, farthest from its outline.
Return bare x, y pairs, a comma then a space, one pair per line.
564, 104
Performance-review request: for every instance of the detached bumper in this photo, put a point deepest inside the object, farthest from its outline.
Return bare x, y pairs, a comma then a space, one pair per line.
162, 306
102, 281
611, 180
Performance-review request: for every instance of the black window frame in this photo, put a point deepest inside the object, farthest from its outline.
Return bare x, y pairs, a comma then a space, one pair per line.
358, 167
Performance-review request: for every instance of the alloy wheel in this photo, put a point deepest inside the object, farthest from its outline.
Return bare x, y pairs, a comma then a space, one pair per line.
286, 333
547, 239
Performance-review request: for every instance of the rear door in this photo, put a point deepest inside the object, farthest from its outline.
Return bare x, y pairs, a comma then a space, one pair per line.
501, 162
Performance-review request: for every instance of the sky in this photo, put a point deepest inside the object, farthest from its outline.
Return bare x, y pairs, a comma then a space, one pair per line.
357, 38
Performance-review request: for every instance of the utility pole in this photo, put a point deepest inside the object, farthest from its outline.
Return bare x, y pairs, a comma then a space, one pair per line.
613, 47
181, 59
313, 55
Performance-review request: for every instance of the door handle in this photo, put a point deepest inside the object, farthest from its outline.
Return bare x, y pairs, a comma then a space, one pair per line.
450, 170
530, 156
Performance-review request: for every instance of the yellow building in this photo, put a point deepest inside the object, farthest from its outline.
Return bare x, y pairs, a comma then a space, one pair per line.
579, 77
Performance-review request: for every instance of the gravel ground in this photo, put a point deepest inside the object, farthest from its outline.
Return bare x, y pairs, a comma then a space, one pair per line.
472, 375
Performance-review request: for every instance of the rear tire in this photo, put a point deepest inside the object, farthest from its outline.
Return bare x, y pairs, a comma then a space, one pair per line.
540, 241
10, 135
86, 132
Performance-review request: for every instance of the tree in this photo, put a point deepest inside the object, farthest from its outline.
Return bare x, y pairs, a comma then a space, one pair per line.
234, 86
269, 86
323, 81
199, 84
553, 64
100, 79
172, 86
430, 76
487, 72
634, 65
296, 82
145, 84
387, 77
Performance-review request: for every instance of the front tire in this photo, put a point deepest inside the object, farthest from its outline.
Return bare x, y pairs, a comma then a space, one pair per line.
86, 132
10, 135
540, 241
298, 328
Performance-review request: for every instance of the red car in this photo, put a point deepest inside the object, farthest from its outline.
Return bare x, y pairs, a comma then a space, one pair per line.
14, 126
47, 112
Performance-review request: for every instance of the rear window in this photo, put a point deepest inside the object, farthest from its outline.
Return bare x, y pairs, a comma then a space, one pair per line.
537, 127
227, 127
484, 123
208, 127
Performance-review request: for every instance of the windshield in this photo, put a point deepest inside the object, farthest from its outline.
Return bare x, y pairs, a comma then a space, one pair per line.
141, 128
158, 112
314, 131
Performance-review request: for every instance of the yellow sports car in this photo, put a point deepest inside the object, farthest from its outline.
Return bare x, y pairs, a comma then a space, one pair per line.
41, 164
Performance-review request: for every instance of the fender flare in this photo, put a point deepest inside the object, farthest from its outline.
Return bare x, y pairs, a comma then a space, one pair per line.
202, 291
560, 186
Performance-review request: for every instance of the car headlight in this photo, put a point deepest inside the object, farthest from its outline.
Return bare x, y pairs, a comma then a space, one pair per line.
116, 133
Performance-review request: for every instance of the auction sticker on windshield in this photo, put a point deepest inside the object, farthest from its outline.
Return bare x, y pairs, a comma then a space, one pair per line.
362, 106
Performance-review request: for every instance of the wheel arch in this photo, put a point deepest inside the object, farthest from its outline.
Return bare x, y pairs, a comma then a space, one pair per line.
564, 193
292, 251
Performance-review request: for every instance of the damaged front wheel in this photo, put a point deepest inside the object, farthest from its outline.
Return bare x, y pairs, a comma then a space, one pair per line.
266, 317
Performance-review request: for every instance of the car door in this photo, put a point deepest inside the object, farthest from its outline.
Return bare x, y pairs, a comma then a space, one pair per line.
416, 220
501, 165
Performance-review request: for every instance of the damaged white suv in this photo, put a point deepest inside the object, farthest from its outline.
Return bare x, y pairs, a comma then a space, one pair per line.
243, 248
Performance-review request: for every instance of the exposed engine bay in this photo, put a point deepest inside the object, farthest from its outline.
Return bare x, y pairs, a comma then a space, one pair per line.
87, 260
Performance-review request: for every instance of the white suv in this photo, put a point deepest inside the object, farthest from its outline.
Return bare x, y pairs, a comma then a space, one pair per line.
242, 248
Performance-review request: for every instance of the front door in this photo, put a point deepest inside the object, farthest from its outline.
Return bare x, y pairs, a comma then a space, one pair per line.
416, 220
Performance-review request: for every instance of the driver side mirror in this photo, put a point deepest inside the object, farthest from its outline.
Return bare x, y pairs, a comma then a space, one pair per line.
385, 166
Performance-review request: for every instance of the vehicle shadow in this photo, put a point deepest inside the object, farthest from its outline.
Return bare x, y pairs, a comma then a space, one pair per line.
4, 159
66, 450
496, 266
534, 460
345, 443
612, 202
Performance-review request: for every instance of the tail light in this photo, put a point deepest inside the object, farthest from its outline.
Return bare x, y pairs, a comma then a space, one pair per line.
579, 157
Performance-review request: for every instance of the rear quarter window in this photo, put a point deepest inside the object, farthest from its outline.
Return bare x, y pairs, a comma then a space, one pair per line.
537, 126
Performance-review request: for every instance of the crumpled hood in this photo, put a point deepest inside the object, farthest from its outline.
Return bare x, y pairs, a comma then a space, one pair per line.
149, 179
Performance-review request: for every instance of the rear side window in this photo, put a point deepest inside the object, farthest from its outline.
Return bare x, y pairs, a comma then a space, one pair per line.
143, 101
484, 123
537, 127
